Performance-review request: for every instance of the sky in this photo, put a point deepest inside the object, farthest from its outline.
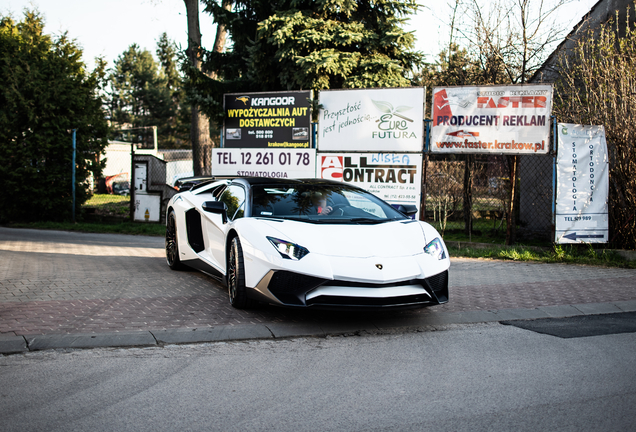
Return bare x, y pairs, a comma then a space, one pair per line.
108, 27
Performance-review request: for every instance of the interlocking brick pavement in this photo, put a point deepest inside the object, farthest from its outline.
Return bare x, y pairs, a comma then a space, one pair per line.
55, 282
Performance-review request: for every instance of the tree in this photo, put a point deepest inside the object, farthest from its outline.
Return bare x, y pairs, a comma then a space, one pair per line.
145, 94
502, 43
302, 44
200, 123
596, 86
45, 92
175, 131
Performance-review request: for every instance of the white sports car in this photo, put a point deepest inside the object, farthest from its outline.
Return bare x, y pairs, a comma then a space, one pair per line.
306, 243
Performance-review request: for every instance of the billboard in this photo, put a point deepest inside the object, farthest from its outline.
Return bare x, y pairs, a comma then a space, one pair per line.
582, 185
394, 177
273, 163
383, 120
510, 119
267, 120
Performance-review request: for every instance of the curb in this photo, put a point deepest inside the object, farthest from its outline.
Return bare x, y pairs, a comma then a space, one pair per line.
12, 344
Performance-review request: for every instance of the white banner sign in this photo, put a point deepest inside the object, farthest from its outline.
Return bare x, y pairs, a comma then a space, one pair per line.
277, 163
582, 185
394, 177
388, 120
512, 119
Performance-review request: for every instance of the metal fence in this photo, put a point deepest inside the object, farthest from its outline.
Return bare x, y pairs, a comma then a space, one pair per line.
451, 184
480, 185
128, 165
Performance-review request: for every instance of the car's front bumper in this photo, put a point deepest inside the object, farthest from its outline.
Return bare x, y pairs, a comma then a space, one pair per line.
297, 290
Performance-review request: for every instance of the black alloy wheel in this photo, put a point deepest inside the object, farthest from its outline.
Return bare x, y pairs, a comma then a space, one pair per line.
236, 277
172, 248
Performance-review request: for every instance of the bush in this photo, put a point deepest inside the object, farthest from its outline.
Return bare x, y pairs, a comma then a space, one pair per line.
45, 93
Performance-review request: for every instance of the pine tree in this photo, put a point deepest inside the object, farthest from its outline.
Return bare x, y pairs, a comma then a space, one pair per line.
146, 93
310, 45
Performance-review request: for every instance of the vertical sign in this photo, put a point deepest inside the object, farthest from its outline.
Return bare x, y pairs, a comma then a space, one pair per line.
582, 185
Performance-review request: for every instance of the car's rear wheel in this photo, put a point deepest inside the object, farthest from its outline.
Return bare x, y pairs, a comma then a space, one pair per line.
172, 247
236, 277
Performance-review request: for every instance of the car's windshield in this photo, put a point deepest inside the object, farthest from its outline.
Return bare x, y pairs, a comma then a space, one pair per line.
320, 203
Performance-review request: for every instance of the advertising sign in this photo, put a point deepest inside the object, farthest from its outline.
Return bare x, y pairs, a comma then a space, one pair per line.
394, 177
582, 185
277, 163
267, 120
513, 119
372, 120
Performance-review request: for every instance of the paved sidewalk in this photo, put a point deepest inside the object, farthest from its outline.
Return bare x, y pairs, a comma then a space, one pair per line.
63, 289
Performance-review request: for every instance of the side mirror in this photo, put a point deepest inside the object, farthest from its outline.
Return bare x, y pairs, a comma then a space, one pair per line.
217, 207
407, 209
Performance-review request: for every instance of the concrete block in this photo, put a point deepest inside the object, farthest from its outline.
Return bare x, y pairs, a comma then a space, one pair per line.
519, 314
560, 311
212, 334
597, 308
11, 344
98, 340
288, 330
626, 306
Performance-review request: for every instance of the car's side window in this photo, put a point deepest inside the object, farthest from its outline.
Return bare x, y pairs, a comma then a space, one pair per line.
234, 199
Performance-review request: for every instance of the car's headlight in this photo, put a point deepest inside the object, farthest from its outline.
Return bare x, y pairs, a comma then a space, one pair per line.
287, 249
435, 249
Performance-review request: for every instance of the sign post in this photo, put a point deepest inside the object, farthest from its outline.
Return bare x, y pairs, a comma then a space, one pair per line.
371, 120
267, 120
512, 119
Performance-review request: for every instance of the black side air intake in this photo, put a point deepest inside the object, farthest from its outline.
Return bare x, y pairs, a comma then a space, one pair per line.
195, 232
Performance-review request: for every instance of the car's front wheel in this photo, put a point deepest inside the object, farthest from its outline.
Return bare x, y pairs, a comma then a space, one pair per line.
236, 277
172, 247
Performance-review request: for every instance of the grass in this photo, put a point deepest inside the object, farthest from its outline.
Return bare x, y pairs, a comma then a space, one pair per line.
568, 254
108, 205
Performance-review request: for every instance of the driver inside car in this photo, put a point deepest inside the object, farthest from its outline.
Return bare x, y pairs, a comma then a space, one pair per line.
320, 204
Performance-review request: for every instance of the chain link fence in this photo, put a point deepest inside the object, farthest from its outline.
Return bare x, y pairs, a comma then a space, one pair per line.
451, 183
136, 177
480, 186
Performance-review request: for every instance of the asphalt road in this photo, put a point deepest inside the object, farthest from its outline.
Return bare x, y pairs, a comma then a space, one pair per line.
478, 377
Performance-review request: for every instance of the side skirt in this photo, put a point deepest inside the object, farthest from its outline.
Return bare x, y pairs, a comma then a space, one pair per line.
207, 269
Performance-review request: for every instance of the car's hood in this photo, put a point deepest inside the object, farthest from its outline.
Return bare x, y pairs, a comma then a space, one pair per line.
390, 239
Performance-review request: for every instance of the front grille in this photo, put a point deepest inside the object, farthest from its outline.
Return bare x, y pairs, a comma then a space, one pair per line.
372, 285
291, 287
325, 300
439, 282
439, 285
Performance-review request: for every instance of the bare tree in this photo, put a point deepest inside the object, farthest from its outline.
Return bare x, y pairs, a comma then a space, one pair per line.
597, 85
515, 36
200, 123
445, 191
509, 40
